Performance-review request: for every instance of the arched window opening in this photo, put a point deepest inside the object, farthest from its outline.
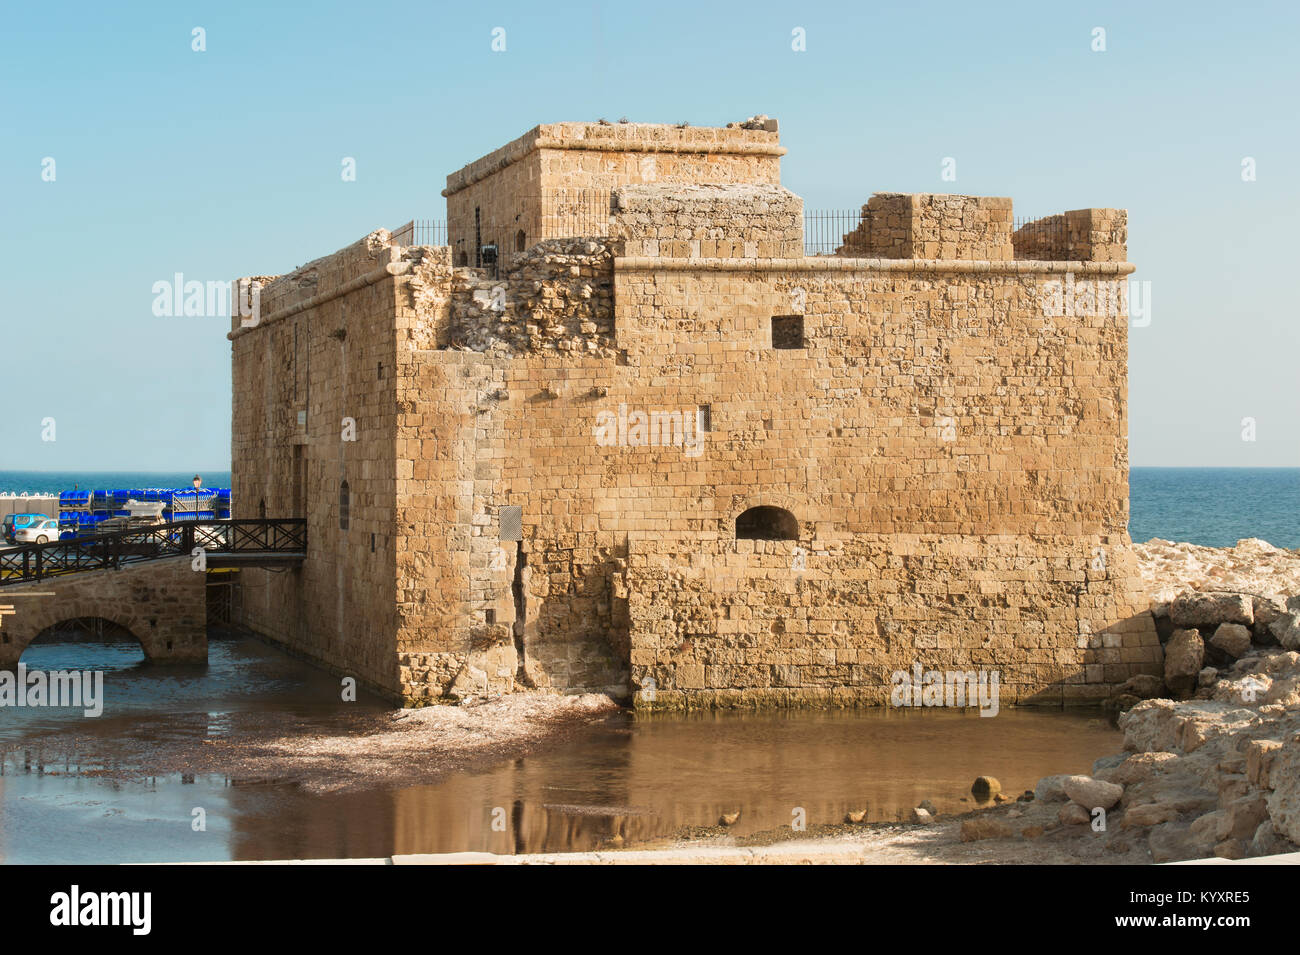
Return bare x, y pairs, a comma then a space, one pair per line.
462, 258
261, 509
345, 505
521, 241
767, 524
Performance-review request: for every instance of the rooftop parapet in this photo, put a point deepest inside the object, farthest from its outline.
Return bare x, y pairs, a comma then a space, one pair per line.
708, 221
932, 226
756, 138
980, 228
1080, 235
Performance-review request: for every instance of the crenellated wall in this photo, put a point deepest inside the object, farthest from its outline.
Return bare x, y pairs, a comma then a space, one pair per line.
930, 226
1086, 235
709, 221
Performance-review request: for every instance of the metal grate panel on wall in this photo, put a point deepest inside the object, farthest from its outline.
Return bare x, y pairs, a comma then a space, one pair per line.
512, 523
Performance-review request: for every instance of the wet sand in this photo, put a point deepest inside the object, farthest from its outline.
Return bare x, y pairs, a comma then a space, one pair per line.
347, 753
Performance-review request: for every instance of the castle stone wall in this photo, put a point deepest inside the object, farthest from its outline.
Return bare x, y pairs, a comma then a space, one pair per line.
952, 449
314, 383
555, 180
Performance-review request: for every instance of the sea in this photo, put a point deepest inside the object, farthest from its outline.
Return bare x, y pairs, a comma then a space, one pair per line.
52, 482
1214, 507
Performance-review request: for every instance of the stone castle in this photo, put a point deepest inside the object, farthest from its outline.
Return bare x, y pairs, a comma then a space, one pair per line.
621, 434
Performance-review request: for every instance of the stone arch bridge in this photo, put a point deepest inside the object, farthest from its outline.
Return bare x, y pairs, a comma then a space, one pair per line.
150, 582
162, 602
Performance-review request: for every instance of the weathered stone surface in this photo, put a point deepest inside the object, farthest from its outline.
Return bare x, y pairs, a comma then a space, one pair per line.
1072, 814
1205, 829
1092, 793
1145, 686
1286, 629
1163, 725
1051, 789
1136, 768
1284, 801
1267, 842
1267, 609
1232, 849
1260, 754
1149, 814
1232, 638
921, 817
1184, 654
1211, 608
1243, 815
985, 827
1173, 842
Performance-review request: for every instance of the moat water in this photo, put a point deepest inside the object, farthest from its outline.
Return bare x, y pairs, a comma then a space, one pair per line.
625, 780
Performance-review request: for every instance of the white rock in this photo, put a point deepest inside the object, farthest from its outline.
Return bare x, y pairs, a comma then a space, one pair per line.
1091, 793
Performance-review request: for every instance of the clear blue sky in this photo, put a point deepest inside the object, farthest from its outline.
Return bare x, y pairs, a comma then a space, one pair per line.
227, 163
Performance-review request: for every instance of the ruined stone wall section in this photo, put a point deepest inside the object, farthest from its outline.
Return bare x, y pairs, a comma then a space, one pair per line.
557, 297
709, 221
1081, 235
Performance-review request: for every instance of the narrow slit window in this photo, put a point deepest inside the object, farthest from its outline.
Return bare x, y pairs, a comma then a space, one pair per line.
345, 506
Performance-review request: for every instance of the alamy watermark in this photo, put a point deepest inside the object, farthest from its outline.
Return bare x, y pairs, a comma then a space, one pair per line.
1105, 298
953, 688
656, 428
178, 298
74, 689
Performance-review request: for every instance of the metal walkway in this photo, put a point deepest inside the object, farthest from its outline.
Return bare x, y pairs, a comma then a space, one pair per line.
255, 542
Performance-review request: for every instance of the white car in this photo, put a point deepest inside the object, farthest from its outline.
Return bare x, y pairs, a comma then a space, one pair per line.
38, 532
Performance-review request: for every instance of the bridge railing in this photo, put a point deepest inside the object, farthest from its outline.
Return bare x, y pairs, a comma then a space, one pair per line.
175, 539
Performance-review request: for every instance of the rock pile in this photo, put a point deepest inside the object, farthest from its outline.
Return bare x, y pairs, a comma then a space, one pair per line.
1214, 770
556, 296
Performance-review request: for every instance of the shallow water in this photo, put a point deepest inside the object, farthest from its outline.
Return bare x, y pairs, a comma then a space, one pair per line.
625, 778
